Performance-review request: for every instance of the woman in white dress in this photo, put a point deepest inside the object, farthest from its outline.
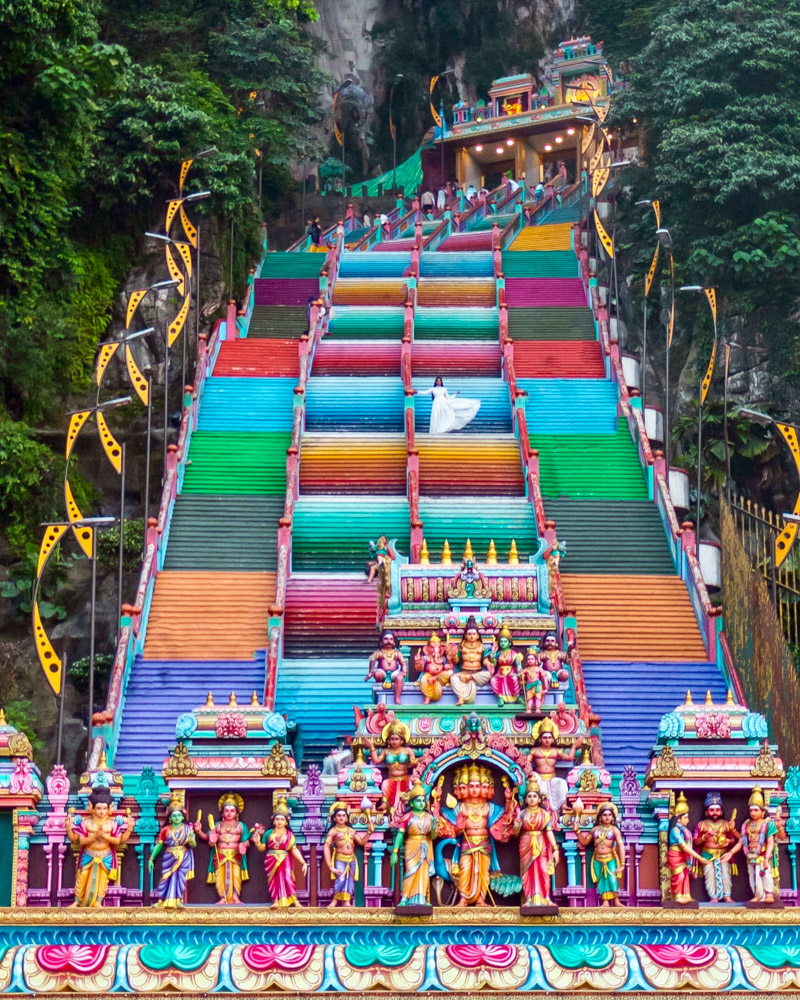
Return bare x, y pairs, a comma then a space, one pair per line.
448, 413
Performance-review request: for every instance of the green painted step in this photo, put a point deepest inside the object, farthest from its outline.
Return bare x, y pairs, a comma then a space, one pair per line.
611, 536
487, 223
550, 324
480, 519
248, 462
590, 465
540, 264
333, 533
455, 323
224, 533
292, 265
278, 322
366, 322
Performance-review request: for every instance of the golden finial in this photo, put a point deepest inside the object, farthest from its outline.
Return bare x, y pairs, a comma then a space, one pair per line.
103, 762
468, 554
209, 701
491, 555
3, 721
689, 703
424, 557
709, 702
513, 555
232, 702
254, 700
729, 699
447, 558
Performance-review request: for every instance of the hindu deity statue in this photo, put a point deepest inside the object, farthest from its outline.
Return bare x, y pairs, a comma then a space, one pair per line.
680, 853
379, 558
475, 823
553, 659
758, 843
535, 680
714, 837
538, 850
476, 663
399, 759
505, 681
469, 582
339, 852
388, 667
229, 840
544, 757
97, 836
608, 860
435, 668
280, 853
415, 832
177, 841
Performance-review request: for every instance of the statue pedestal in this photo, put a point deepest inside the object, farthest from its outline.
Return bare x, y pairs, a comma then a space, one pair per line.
413, 910
539, 911
755, 904
672, 905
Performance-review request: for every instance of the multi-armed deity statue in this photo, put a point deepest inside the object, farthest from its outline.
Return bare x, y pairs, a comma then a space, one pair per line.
97, 837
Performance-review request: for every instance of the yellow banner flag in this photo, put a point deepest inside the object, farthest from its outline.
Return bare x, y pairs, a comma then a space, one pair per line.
48, 658
605, 239
83, 534
133, 304
53, 534
587, 138
711, 295
76, 422
599, 180
706, 384
657, 209
671, 328
175, 327
107, 352
184, 171
648, 281
109, 442
172, 208
174, 271
186, 254
188, 228
138, 381
437, 118
786, 539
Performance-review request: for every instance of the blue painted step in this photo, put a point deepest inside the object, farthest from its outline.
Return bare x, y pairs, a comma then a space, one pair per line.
247, 404
494, 416
446, 264
570, 405
632, 697
319, 696
354, 403
158, 692
389, 264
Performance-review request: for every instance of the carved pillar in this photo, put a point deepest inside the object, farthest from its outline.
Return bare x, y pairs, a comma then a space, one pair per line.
55, 830
632, 827
313, 830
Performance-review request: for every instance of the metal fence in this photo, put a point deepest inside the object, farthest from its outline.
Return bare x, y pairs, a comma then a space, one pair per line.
758, 530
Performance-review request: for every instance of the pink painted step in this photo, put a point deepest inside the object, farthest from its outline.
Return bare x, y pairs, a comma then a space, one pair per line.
481, 240
455, 358
527, 293
369, 357
558, 359
285, 291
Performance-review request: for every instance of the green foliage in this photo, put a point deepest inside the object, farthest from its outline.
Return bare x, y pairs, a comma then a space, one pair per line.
79, 673
20, 585
22, 714
132, 545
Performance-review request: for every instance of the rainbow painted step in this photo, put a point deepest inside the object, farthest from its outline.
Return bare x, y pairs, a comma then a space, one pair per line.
552, 237
551, 324
357, 357
370, 265
257, 358
570, 406
327, 612
456, 323
278, 322
369, 323
238, 462
369, 292
540, 264
477, 518
525, 293
494, 416
224, 532
590, 465
354, 404
283, 265
461, 292
444, 460
331, 534
247, 404
353, 464
558, 359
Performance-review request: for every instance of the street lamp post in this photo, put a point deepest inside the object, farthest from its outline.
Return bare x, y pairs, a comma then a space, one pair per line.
665, 239
393, 130
711, 297
439, 76
648, 282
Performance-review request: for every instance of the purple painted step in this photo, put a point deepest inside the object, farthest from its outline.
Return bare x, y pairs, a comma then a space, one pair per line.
285, 291
530, 293
387, 246
159, 691
631, 698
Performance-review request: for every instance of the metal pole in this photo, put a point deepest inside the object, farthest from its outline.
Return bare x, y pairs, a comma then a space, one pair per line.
60, 707
121, 556
666, 367
773, 573
725, 424
92, 614
197, 292
260, 180
394, 145
166, 403
614, 261
644, 354
147, 461
303, 196
230, 270
699, 472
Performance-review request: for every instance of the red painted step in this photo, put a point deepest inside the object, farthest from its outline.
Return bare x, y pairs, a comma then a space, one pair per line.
481, 240
360, 357
253, 358
455, 358
558, 359
526, 293
330, 615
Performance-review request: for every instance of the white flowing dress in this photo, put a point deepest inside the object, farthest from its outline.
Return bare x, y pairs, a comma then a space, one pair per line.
449, 413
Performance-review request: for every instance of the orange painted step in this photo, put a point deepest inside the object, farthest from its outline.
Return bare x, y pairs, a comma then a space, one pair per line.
474, 465
209, 616
640, 618
353, 463
370, 292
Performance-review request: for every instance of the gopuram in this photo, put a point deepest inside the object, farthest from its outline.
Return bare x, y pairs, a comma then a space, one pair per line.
434, 735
